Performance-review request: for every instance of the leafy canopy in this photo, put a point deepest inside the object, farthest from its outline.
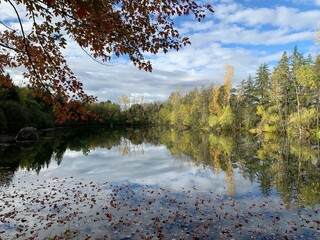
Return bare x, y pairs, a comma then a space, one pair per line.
102, 28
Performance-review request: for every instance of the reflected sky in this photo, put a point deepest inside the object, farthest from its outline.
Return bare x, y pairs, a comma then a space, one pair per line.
144, 164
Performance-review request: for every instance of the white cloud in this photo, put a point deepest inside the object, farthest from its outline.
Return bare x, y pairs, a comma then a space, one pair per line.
193, 66
281, 16
235, 34
222, 11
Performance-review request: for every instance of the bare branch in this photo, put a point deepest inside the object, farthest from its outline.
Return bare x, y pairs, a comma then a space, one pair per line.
102, 63
27, 49
7, 26
11, 48
24, 36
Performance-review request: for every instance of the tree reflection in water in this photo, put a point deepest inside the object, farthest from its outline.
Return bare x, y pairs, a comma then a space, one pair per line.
288, 167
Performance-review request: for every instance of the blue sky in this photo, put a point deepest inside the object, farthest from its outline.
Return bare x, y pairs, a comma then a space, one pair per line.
241, 33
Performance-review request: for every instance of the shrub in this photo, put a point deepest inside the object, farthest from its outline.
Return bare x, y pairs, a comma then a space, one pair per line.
15, 114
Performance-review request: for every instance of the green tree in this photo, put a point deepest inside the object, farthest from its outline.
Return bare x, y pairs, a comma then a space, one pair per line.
152, 112
16, 115
165, 113
192, 106
279, 92
175, 99
136, 114
245, 104
261, 84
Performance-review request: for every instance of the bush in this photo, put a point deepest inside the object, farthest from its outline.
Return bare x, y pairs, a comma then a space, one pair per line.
227, 118
40, 119
213, 121
15, 114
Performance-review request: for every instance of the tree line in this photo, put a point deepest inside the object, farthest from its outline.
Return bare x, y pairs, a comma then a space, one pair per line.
284, 100
20, 107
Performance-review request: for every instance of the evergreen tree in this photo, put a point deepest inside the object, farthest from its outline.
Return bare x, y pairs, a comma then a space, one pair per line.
279, 91
261, 85
246, 111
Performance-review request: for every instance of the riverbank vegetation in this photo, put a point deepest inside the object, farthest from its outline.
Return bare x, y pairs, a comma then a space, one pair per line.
282, 100
20, 107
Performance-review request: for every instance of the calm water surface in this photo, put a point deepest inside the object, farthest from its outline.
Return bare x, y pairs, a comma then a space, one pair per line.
159, 184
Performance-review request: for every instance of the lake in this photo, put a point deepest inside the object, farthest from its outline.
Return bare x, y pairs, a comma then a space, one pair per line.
92, 183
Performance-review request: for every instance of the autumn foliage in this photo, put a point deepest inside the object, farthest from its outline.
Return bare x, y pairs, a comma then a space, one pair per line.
6, 82
103, 29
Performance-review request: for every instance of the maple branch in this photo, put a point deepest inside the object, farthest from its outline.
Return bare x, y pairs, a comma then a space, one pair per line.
62, 12
66, 15
43, 48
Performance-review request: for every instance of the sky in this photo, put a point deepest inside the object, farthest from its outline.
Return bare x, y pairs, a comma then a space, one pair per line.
243, 33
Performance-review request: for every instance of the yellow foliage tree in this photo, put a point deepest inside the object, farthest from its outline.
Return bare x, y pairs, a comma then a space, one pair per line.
227, 84
214, 106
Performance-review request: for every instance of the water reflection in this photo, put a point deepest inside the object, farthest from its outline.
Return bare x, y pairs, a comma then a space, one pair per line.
272, 163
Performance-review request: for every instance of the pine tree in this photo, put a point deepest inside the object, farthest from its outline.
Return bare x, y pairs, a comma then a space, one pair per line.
262, 83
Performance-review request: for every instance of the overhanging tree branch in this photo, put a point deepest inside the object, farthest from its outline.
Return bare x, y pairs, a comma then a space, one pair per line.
27, 49
5, 25
11, 48
24, 37
86, 52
